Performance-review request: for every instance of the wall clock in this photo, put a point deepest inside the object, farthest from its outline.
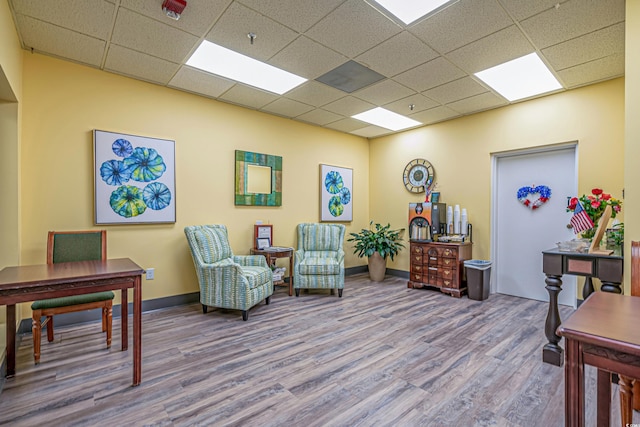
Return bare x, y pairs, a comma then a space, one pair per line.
417, 175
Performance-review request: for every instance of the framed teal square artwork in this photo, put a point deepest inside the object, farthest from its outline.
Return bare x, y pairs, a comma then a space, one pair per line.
134, 179
258, 179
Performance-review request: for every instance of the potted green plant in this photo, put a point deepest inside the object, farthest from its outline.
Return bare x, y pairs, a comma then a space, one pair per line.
377, 243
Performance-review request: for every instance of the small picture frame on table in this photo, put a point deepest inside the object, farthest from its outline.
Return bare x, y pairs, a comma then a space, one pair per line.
262, 231
262, 243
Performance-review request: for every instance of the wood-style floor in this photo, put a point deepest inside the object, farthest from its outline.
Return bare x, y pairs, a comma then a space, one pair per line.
383, 355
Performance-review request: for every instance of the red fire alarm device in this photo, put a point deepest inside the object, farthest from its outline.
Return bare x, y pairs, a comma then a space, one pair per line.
174, 8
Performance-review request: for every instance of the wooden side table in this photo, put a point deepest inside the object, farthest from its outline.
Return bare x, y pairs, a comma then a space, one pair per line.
272, 254
603, 333
555, 263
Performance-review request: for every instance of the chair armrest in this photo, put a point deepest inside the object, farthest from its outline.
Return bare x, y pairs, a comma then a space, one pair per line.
299, 255
340, 256
251, 260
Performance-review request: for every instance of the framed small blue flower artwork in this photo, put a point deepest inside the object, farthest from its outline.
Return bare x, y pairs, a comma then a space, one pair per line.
134, 178
336, 193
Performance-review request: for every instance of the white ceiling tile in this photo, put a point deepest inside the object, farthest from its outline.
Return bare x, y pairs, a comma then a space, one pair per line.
456, 90
461, 23
238, 21
598, 70
197, 81
432, 74
307, 58
287, 107
435, 115
196, 18
348, 106
497, 48
319, 117
58, 41
143, 34
353, 28
298, 15
522, 9
314, 93
248, 96
383, 92
589, 47
135, 64
403, 106
572, 19
481, 102
371, 131
90, 17
581, 40
397, 54
347, 125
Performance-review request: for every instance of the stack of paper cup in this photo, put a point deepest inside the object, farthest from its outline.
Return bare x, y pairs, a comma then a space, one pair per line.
464, 222
456, 220
449, 220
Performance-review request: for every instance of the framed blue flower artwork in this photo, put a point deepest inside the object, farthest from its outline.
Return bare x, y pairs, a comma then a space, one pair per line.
336, 193
134, 179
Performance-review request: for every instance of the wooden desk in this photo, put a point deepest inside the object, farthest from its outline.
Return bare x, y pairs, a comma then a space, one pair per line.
602, 332
272, 255
607, 268
35, 282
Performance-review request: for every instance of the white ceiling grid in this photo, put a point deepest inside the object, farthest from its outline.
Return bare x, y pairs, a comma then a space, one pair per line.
428, 65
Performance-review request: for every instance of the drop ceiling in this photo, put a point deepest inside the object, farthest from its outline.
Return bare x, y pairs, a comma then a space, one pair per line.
428, 66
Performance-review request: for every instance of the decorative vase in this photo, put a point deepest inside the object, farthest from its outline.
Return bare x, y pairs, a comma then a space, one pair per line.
377, 267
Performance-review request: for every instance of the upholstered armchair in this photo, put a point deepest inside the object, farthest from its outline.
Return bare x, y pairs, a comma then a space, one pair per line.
319, 258
227, 280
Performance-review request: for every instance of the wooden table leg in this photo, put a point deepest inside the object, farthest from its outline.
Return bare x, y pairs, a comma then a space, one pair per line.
626, 399
11, 340
612, 287
291, 275
604, 398
124, 318
574, 385
587, 289
552, 352
137, 331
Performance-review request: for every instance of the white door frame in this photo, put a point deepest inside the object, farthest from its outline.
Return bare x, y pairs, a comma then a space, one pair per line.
494, 200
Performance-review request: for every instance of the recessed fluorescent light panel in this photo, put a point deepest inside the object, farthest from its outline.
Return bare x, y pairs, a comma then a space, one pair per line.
386, 119
520, 78
226, 63
409, 11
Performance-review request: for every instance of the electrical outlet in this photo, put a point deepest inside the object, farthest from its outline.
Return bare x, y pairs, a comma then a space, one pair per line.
150, 272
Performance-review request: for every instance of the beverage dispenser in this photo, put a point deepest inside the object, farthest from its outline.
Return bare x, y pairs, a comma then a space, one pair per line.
426, 220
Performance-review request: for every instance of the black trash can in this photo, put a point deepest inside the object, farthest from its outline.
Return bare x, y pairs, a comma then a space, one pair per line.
478, 279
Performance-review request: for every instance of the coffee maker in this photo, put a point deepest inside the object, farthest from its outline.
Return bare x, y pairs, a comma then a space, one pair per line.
438, 219
427, 220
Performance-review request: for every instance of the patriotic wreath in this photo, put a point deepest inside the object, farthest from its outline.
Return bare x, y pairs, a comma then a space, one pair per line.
542, 191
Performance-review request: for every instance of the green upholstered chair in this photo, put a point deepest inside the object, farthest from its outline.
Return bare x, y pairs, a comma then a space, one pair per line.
319, 258
226, 280
66, 246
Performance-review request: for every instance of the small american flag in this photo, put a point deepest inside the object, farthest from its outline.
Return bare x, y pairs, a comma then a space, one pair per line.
580, 219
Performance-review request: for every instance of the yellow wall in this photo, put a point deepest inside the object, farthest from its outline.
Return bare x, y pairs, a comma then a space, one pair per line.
460, 152
632, 131
10, 54
10, 119
64, 102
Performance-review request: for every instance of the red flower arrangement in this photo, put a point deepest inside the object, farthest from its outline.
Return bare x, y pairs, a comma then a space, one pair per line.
594, 205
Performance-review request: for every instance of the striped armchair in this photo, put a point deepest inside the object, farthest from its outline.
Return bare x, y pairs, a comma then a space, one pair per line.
227, 280
319, 258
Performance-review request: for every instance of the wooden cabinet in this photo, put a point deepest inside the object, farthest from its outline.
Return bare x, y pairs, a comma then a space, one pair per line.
439, 265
